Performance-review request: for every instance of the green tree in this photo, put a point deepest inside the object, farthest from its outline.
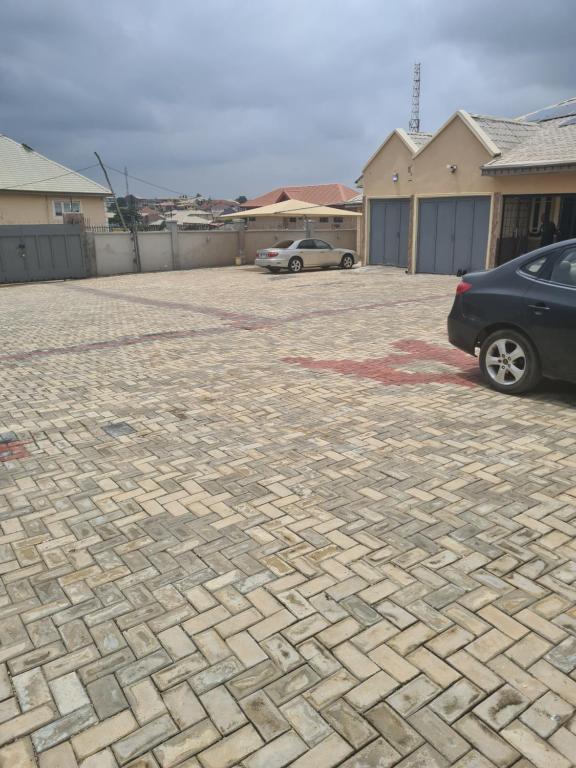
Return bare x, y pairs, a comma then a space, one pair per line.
131, 217
241, 199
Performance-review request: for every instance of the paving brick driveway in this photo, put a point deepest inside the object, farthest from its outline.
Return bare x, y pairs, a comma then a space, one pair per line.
253, 520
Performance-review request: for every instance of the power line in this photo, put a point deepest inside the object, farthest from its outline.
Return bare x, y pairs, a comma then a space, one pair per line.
49, 178
143, 181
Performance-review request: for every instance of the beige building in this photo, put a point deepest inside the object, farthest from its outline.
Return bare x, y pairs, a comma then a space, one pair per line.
36, 190
474, 194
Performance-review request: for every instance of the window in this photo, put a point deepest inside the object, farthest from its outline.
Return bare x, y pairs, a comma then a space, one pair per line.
251, 218
533, 267
322, 244
66, 206
338, 219
292, 219
323, 219
307, 244
283, 244
564, 270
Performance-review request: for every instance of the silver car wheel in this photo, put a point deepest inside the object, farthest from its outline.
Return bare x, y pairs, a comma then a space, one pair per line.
506, 362
347, 262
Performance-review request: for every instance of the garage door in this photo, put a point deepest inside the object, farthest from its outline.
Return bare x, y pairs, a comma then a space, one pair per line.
389, 232
452, 234
41, 252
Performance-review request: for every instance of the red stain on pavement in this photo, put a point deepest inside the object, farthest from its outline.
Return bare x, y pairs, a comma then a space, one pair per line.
392, 369
13, 450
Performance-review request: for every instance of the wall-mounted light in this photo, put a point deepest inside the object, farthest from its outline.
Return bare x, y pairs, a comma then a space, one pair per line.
395, 177
451, 168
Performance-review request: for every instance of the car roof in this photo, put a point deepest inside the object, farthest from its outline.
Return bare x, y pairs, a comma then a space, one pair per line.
536, 253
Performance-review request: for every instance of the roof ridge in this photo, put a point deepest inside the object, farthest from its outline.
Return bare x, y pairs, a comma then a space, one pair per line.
515, 120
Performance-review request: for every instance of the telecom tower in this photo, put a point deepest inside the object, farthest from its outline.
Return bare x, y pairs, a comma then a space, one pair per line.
414, 124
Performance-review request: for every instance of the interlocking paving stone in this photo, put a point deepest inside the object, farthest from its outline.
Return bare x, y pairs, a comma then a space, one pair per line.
320, 541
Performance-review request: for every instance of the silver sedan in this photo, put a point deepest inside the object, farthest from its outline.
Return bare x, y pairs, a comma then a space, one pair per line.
296, 255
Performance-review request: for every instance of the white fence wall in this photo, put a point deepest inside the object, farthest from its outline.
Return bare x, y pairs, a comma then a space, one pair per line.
114, 253
161, 251
155, 251
207, 249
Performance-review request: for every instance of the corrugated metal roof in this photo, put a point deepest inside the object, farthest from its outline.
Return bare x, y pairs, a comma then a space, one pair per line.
23, 169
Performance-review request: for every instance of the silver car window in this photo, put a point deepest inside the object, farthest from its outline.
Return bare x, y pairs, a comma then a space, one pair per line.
322, 244
307, 244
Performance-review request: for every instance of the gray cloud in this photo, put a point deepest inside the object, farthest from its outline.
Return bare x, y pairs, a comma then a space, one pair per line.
230, 97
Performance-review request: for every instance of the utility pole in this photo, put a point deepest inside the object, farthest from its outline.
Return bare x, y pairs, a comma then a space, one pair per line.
133, 229
126, 177
414, 124
104, 171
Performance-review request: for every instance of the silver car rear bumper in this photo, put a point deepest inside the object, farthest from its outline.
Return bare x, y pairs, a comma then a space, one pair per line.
280, 262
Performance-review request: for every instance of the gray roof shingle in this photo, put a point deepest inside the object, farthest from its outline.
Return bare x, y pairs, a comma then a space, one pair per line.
552, 143
24, 170
506, 133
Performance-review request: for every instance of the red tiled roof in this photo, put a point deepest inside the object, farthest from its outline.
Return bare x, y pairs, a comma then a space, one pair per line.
319, 194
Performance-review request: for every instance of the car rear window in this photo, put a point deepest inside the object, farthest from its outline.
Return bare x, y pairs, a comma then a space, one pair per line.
283, 244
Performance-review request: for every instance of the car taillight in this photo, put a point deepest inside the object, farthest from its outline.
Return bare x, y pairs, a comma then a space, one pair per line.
272, 253
463, 286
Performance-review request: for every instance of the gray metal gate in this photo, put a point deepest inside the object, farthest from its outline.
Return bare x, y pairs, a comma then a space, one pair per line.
41, 252
453, 234
389, 232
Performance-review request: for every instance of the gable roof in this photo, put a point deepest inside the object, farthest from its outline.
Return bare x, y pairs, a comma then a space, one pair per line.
319, 194
413, 142
541, 140
476, 129
24, 170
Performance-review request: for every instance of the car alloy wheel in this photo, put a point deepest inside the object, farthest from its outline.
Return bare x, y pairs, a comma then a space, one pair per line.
295, 265
506, 362
347, 262
509, 362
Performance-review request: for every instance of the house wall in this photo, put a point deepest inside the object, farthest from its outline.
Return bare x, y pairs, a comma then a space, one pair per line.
37, 208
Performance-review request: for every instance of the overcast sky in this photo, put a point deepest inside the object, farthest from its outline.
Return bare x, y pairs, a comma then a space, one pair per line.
230, 97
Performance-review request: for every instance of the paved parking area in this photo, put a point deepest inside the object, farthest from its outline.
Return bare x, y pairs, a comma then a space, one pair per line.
254, 520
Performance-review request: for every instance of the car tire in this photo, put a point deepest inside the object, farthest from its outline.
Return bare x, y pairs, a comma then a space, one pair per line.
509, 362
347, 261
295, 265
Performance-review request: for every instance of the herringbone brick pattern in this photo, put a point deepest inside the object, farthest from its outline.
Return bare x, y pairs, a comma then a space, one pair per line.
265, 521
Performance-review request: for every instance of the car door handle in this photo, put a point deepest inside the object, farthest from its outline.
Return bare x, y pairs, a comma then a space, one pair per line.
540, 307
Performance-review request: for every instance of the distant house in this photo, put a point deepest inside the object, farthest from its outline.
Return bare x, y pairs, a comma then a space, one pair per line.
190, 218
36, 190
333, 195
